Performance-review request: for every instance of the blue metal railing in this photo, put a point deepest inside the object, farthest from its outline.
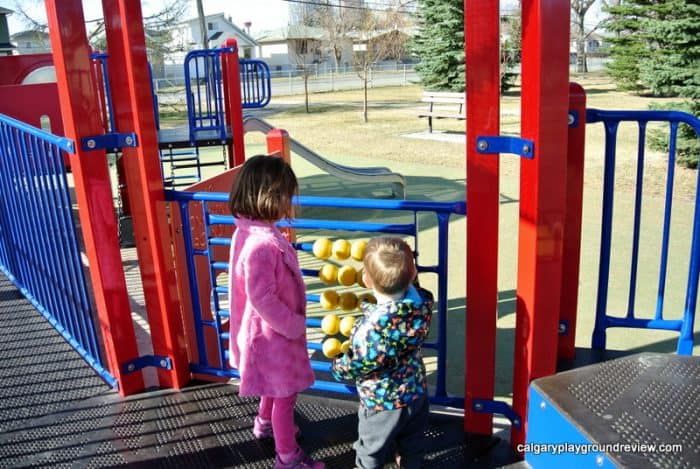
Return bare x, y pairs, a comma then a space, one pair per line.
441, 210
204, 92
39, 249
611, 121
256, 88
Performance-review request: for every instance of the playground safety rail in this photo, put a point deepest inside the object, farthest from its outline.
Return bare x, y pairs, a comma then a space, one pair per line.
611, 121
39, 250
441, 210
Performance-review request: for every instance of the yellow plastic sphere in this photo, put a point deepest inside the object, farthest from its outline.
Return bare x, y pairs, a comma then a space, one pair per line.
328, 274
322, 248
347, 301
357, 251
347, 275
332, 347
358, 278
345, 346
367, 297
346, 325
341, 249
330, 324
329, 299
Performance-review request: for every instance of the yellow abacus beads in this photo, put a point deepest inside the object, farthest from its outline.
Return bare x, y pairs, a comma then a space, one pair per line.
347, 301
328, 274
330, 324
329, 299
347, 275
322, 248
341, 249
332, 347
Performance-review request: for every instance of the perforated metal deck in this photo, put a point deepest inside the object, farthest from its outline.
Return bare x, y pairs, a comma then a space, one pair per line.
55, 412
644, 399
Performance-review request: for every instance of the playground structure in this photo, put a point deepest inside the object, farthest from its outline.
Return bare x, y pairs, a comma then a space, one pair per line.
554, 117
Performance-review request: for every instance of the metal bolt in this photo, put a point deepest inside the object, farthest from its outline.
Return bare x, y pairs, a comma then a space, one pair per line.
91, 144
482, 145
164, 363
129, 140
543, 405
131, 367
599, 460
562, 328
478, 406
516, 422
571, 118
526, 149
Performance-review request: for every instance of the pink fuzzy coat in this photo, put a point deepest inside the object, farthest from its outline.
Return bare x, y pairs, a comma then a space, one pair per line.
268, 313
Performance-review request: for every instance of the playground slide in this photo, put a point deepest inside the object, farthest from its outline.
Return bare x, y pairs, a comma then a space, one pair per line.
375, 175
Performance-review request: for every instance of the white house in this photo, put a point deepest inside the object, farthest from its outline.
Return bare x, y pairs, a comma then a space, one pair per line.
31, 42
219, 29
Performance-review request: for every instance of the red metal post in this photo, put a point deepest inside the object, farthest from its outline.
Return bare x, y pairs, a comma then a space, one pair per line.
81, 118
481, 31
572, 228
544, 110
133, 108
278, 142
233, 103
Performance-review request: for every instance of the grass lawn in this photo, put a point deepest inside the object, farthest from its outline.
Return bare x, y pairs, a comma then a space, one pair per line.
334, 128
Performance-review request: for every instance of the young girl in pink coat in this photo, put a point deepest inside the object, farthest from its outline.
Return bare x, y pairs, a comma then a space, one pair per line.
268, 305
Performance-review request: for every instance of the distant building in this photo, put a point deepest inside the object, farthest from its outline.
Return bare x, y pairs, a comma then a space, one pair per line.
32, 42
6, 47
220, 28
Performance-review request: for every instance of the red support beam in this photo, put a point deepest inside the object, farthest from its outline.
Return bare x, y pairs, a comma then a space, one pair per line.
544, 110
233, 103
481, 31
278, 142
572, 227
133, 108
81, 118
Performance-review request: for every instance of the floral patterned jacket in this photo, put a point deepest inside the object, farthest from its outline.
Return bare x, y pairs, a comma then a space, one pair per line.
385, 358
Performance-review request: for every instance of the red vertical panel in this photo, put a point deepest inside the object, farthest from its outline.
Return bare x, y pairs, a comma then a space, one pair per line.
81, 118
133, 108
278, 142
572, 228
481, 30
233, 103
544, 105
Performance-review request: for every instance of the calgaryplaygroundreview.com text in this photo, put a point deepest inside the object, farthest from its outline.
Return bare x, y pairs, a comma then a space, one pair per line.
589, 448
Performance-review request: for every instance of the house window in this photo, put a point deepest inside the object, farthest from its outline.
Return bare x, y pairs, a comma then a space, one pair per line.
210, 26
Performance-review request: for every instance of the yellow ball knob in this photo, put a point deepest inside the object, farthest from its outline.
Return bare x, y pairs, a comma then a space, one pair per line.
341, 249
329, 299
345, 346
322, 248
368, 297
346, 325
332, 347
328, 274
330, 324
347, 301
357, 251
347, 275
359, 280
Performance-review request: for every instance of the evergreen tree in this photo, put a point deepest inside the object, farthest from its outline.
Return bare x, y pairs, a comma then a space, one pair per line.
628, 43
440, 44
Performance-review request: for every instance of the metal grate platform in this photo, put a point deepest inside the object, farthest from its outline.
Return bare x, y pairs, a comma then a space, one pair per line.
55, 412
644, 399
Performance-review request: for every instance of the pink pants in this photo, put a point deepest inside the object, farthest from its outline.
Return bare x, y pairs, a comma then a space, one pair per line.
281, 411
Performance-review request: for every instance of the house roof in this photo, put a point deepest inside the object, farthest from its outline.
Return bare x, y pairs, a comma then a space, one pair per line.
5, 11
240, 32
30, 34
294, 31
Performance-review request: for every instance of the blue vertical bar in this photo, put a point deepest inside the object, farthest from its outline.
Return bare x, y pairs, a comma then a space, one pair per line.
441, 387
685, 341
667, 221
637, 220
598, 341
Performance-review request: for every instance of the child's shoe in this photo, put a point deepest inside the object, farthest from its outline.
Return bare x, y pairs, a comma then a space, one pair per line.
263, 429
299, 461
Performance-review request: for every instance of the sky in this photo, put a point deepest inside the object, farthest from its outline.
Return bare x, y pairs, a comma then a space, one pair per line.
263, 14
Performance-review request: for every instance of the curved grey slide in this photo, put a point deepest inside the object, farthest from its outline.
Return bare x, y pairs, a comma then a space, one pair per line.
374, 175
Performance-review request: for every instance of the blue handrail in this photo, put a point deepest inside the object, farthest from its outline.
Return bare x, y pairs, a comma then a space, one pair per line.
441, 210
611, 121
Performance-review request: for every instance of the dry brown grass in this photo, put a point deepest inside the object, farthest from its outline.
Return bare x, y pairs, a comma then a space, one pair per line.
335, 129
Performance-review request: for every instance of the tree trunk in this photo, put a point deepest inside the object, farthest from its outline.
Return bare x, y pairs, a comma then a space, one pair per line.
306, 90
581, 62
364, 104
202, 25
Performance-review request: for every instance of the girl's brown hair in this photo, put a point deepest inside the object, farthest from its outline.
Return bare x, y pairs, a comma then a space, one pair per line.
389, 263
263, 189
